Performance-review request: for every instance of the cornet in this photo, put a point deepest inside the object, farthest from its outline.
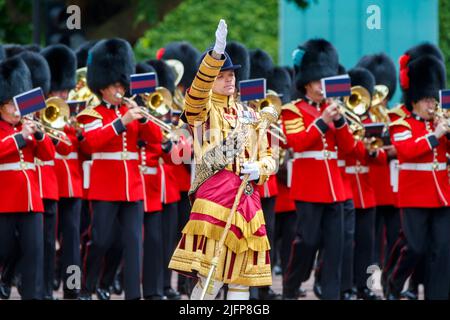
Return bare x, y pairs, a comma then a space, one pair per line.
53, 118
167, 128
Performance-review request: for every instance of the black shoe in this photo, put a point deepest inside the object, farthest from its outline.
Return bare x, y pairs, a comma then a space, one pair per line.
268, 294
155, 297
56, 283
5, 291
172, 294
410, 294
290, 295
71, 295
347, 295
117, 286
103, 294
367, 294
85, 296
301, 292
391, 292
277, 270
317, 288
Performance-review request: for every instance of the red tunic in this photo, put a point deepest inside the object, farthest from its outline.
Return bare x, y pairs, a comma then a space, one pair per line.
20, 192
423, 180
68, 167
316, 176
115, 172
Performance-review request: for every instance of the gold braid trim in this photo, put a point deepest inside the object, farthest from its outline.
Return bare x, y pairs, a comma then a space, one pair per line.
221, 213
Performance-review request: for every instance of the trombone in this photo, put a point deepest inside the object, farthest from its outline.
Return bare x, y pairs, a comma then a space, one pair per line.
151, 102
53, 118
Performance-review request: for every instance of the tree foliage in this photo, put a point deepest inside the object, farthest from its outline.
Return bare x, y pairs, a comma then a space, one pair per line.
252, 22
444, 33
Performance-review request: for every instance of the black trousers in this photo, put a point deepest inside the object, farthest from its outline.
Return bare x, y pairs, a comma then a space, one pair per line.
364, 245
427, 235
69, 211
387, 230
130, 217
286, 227
152, 280
268, 207
169, 228
185, 284
348, 249
349, 238
320, 225
27, 229
50, 220
113, 258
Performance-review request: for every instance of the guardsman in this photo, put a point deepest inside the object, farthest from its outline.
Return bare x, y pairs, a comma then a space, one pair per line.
315, 130
111, 133
387, 215
67, 169
400, 112
357, 167
21, 205
170, 192
423, 187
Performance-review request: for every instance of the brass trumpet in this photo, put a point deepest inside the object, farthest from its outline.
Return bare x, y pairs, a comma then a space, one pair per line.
271, 99
144, 111
53, 118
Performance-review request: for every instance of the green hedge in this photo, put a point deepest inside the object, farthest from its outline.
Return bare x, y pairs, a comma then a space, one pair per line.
252, 22
444, 33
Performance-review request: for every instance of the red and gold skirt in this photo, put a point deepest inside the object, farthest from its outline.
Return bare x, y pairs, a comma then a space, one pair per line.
245, 259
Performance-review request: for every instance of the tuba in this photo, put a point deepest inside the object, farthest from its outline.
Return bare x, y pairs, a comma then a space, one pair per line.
81, 92
271, 99
378, 112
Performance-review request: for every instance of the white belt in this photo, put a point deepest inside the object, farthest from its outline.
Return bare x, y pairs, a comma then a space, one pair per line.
125, 155
148, 170
318, 155
44, 163
424, 166
356, 169
70, 156
17, 166
341, 163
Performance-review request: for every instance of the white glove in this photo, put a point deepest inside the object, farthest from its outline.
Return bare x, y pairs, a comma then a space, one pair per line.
252, 169
221, 37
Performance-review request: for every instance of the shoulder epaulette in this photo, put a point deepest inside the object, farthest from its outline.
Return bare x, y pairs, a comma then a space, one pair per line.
292, 107
89, 112
397, 110
400, 122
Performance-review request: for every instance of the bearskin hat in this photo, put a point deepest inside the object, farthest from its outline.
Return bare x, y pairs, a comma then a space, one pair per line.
39, 69
63, 66
314, 60
280, 81
15, 78
383, 69
109, 61
261, 64
187, 54
362, 77
166, 76
82, 53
